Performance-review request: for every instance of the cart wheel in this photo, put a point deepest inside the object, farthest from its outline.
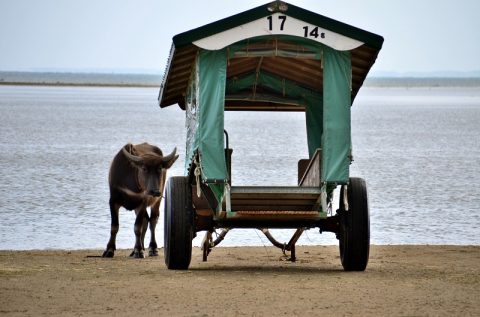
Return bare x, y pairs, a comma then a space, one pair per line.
178, 231
354, 227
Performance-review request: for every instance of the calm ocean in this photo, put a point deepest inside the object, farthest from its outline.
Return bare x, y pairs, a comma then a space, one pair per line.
417, 148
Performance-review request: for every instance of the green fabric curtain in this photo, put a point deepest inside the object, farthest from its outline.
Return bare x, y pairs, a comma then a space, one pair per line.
191, 117
212, 72
337, 74
314, 120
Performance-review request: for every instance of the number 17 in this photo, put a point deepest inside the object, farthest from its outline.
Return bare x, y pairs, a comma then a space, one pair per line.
280, 17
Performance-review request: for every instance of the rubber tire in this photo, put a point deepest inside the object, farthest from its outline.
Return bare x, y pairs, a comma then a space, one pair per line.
178, 231
354, 234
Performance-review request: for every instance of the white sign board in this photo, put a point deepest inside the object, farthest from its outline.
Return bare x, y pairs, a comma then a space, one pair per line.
278, 24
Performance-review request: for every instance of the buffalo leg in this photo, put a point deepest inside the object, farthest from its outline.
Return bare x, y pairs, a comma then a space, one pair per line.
111, 246
154, 214
145, 222
138, 229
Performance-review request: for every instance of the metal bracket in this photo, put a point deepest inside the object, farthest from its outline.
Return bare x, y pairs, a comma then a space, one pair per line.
208, 243
290, 246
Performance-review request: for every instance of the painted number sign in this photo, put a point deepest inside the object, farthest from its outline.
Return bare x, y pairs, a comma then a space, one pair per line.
308, 30
274, 24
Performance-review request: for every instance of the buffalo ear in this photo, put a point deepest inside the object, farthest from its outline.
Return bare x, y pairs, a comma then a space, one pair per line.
169, 163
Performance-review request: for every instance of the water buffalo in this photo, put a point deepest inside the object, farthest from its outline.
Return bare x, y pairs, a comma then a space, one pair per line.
136, 179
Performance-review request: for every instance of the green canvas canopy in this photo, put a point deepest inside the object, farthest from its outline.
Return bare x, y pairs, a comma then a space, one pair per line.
276, 57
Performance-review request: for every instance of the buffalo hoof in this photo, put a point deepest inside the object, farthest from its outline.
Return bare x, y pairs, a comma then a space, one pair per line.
153, 252
137, 254
108, 254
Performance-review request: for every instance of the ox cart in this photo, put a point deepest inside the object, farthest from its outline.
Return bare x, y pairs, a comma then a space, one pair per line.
275, 57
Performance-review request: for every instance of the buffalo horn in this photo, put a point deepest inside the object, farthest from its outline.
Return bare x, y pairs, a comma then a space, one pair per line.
170, 156
131, 157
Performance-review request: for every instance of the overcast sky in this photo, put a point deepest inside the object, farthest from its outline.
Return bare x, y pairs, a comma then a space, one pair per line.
132, 35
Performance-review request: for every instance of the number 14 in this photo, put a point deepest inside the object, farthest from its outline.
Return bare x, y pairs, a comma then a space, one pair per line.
313, 33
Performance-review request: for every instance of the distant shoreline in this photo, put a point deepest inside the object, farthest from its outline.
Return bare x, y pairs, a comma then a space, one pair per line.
120, 85
13, 78
79, 79
380, 83
422, 82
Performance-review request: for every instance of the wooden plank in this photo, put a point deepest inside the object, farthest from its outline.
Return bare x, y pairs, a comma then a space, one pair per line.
274, 197
272, 208
283, 202
281, 190
278, 212
312, 176
302, 168
284, 199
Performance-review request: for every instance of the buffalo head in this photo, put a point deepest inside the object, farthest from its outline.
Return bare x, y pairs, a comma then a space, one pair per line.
151, 166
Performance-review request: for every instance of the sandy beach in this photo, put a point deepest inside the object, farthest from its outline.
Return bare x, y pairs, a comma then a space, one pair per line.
243, 281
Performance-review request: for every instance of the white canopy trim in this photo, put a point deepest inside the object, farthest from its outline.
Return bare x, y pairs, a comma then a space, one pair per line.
278, 24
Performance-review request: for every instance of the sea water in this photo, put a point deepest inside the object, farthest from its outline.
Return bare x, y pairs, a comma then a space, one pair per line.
417, 148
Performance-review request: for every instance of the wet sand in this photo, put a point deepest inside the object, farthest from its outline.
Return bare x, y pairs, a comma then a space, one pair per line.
243, 281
